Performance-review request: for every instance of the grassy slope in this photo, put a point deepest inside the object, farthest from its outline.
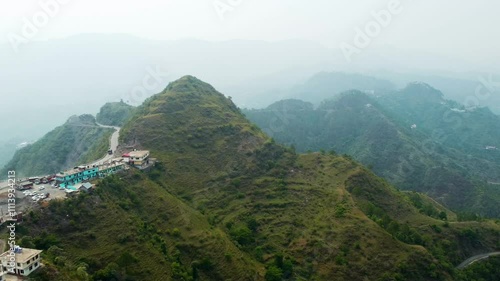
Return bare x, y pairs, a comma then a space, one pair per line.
114, 113
136, 216
240, 201
183, 148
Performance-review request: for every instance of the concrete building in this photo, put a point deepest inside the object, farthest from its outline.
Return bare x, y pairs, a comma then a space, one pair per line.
137, 158
85, 173
86, 187
25, 261
108, 169
77, 175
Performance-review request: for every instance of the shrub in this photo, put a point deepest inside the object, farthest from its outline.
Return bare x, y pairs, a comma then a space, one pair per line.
176, 232
242, 234
273, 273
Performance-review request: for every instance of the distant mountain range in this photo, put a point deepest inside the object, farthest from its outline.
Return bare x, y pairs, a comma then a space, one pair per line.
89, 70
413, 137
322, 86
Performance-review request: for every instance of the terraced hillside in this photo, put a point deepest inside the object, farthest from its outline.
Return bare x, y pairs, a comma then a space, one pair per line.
227, 203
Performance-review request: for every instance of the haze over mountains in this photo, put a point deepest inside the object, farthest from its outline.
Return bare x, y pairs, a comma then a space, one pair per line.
50, 80
284, 140
413, 137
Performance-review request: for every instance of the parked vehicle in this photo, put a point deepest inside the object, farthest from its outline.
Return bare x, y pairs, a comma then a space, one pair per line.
41, 187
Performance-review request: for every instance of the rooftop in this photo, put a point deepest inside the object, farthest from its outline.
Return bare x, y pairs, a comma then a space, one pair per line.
138, 153
87, 185
23, 256
74, 170
114, 162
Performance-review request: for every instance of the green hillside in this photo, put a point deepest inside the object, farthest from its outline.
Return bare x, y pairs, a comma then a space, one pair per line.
484, 270
114, 113
79, 140
227, 203
360, 125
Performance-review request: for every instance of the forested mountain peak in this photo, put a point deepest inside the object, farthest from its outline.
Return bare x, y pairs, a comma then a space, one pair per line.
419, 91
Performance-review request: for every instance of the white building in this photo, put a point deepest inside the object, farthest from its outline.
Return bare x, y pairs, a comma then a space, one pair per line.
137, 158
25, 261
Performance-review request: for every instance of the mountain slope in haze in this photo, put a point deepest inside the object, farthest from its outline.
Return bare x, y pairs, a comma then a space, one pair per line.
356, 124
7, 150
478, 88
77, 141
227, 203
316, 88
103, 67
469, 129
114, 113
325, 85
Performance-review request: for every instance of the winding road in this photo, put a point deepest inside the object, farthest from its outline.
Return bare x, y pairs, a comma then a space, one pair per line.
113, 144
474, 259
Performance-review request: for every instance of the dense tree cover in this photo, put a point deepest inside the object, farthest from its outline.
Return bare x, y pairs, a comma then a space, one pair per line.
379, 133
115, 113
485, 270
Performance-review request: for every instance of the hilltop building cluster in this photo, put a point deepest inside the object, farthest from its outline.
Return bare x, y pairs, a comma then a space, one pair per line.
75, 179
85, 173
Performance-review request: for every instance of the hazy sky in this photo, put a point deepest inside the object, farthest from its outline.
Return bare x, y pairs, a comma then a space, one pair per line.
464, 29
